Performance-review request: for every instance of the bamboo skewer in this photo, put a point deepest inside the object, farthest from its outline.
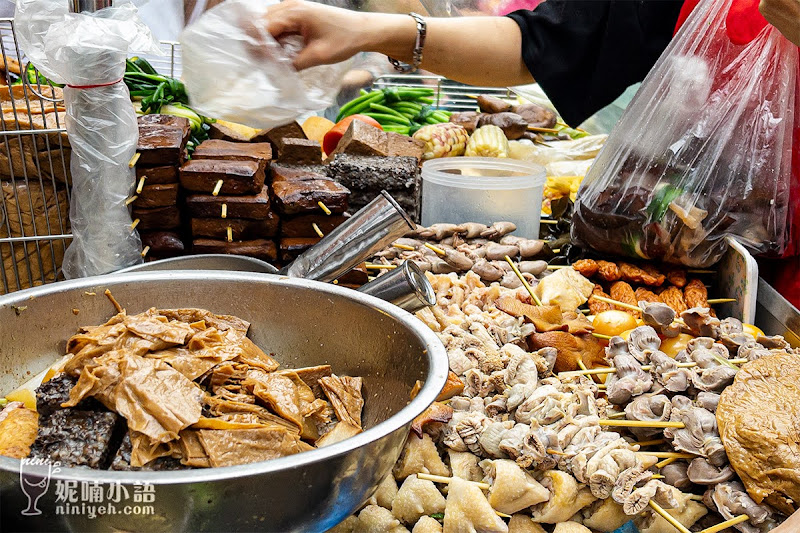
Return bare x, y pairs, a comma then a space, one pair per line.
670, 455
558, 267
404, 247
726, 524
720, 301
140, 186
582, 365
524, 281
611, 370
130, 200
317, 230
134, 159
641, 424
217, 188
372, 266
700, 271
542, 130
653, 442
230, 234
617, 416
145, 250
548, 221
134, 224
436, 249
616, 303
601, 336
224, 213
324, 208
665, 462
446, 480
555, 452
668, 517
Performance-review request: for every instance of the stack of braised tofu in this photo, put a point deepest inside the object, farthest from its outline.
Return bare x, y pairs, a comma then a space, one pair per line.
162, 150
228, 201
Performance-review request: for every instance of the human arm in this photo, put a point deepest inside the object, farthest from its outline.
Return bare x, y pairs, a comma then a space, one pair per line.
473, 50
784, 15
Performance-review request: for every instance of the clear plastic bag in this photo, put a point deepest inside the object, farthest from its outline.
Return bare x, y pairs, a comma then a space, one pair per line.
87, 51
703, 151
234, 70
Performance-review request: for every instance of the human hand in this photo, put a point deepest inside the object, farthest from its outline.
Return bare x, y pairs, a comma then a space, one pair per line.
330, 34
784, 15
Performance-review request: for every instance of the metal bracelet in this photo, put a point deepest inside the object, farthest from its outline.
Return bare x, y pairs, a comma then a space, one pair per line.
422, 30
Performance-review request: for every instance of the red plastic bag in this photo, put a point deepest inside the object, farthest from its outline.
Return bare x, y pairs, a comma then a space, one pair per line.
704, 150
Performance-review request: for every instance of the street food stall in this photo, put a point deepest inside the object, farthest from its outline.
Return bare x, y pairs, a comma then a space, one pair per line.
379, 323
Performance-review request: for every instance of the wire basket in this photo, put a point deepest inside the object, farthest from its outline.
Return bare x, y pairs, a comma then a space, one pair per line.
34, 174
450, 95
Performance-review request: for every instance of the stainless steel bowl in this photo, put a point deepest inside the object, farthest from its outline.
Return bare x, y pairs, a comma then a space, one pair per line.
304, 323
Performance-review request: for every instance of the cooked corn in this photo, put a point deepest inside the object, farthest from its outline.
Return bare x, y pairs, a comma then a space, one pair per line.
487, 141
442, 140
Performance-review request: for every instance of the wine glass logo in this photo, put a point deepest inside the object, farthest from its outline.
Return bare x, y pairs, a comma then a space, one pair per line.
34, 480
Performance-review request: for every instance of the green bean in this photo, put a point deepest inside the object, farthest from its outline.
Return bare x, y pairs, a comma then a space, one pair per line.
382, 117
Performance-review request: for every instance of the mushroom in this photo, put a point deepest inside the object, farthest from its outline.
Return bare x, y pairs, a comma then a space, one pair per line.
498, 230
642, 341
495, 251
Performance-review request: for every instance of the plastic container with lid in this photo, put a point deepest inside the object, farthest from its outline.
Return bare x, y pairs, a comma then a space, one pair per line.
485, 190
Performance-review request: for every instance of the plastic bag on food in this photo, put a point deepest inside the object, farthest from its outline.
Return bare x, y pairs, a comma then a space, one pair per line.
573, 150
87, 52
703, 151
234, 70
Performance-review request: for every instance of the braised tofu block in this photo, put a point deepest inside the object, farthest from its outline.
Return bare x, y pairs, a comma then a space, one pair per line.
159, 218
238, 177
122, 460
296, 197
404, 146
361, 173
170, 121
303, 225
252, 207
356, 277
160, 195
240, 228
292, 248
163, 243
296, 173
157, 175
300, 152
52, 393
160, 145
233, 151
79, 438
259, 248
363, 139
276, 136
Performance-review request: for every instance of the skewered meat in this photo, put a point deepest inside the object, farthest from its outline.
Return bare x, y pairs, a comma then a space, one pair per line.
512, 489
652, 276
700, 435
661, 317
492, 104
565, 288
730, 500
598, 306
649, 408
643, 341
701, 323
677, 277
566, 498
646, 295
417, 497
498, 252
621, 291
513, 125
758, 423
673, 297
570, 349
467, 509
633, 274
467, 119
688, 513
498, 230
675, 474
536, 115
665, 372
587, 267
695, 294
420, 456
658, 491
608, 271
701, 472
628, 381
